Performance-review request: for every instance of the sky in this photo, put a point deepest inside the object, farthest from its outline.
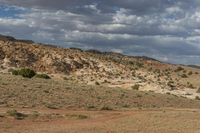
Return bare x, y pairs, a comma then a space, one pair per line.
167, 30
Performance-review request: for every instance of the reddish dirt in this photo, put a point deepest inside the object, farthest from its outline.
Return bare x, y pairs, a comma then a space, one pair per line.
161, 120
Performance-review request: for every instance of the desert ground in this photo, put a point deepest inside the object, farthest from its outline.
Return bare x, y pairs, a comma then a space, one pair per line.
65, 106
165, 120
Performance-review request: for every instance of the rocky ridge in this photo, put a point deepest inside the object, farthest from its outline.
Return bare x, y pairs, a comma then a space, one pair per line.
95, 67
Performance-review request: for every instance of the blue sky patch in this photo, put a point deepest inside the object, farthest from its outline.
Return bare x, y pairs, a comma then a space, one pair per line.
10, 11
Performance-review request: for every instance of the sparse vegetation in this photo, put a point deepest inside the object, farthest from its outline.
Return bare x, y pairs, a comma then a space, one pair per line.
43, 76
97, 83
24, 72
76, 116
179, 69
16, 115
197, 98
106, 108
29, 73
171, 84
190, 73
136, 87
184, 76
52, 106
191, 86
91, 81
198, 91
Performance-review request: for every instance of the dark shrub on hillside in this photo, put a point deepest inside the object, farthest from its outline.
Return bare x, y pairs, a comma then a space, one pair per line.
198, 91
197, 98
24, 72
78, 49
15, 72
97, 83
135, 87
184, 76
43, 76
94, 51
178, 69
190, 73
27, 73
16, 115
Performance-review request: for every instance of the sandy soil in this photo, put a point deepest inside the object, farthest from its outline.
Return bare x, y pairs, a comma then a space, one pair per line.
140, 121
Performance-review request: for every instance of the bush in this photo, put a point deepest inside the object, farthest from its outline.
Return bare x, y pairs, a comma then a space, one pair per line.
171, 84
135, 87
179, 69
24, 72
106, 108
97, 83
16, 115
190, 86
27, 73
138, 64
197, 98
184, 76
190, 73
43, 76
198, 91
15, 72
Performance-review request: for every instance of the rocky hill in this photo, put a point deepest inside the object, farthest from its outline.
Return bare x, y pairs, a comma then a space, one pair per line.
102, 68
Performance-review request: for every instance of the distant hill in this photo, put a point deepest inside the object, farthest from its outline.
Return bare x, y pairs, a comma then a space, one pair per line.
10, 38
101, 68
194, 66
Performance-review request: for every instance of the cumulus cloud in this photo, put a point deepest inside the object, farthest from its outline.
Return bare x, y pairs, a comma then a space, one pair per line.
166, 30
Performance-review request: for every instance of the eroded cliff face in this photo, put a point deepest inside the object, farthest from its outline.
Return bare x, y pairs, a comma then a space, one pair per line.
52, 59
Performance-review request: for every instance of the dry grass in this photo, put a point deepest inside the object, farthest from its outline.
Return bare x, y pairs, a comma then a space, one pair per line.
36, 93
45, 106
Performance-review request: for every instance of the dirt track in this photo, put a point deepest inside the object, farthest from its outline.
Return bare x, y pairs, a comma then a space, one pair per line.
140, 121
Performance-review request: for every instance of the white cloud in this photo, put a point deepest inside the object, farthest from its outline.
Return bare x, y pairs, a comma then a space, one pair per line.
12, 22
163, 29
174, 9
117, 50
123, 17
93, 7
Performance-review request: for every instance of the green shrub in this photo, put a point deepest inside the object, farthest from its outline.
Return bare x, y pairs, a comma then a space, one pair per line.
24, 72
135, 87
138, 64
178, 69
106, 108
184, 76
51, 106
197, 98
97, 83
16, 115
171, 84
15, 72
191, 86
43, 76
190, 73
27, 73
82, 116
77, 116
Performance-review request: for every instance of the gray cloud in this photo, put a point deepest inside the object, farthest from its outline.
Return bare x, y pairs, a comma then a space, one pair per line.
167, 30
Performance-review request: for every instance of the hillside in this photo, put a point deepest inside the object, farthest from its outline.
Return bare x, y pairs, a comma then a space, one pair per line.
95, 67
93, 91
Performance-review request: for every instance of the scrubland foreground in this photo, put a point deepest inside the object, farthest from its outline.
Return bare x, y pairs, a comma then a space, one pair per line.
63, 106
48, 89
